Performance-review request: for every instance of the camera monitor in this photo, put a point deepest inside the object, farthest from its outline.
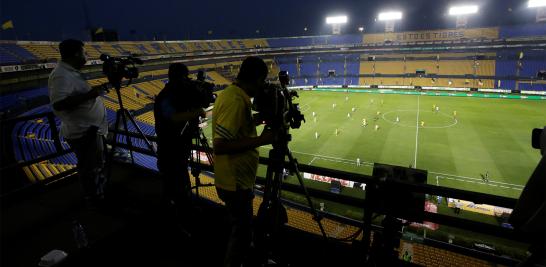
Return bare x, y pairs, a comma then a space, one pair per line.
395, 201
536, 136
335, 186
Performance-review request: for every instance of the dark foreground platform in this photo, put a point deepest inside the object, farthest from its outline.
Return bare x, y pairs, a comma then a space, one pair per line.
135, 229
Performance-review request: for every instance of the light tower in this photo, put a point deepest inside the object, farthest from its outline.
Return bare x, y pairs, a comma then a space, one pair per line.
462, 13
540, 6
336, 23
390, 19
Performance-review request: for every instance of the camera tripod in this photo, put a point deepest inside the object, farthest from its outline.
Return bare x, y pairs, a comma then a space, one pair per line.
121, 117
199, 138
272, 214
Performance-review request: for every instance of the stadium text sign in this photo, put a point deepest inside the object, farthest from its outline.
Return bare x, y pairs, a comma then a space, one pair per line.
440, 35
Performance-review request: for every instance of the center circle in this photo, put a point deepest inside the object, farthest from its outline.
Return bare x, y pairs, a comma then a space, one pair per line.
427, 115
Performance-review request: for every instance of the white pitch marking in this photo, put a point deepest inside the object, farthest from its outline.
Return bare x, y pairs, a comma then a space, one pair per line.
416, 134
476, 182
477, 179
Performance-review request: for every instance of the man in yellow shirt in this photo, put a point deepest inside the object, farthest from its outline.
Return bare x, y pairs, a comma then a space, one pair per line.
236, 155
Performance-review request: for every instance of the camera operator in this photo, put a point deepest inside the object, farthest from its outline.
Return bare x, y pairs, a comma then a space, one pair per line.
236, 155
83, 118
176, 122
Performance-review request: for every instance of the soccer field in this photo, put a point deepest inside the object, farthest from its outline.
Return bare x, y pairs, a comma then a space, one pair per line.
486, 136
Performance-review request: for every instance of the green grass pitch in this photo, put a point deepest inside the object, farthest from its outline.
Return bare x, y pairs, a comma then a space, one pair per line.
487, 135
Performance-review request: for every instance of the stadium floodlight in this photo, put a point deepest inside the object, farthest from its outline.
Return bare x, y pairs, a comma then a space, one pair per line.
360, 29
463, 10
537, 3
392, 15
336, 20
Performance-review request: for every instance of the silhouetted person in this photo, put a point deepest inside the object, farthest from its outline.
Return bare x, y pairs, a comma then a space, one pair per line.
83, 118
176, 122
236, 155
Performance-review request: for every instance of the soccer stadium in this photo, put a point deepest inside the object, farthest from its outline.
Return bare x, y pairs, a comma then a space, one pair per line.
446, 120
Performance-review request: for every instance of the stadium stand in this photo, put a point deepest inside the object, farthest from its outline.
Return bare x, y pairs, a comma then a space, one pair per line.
103, 48
324, 70
11, 53
20, 98
461, 69
530, 30
217, 78
531, 62
315, 40
43, 51
430, 256
29, 51
32, 139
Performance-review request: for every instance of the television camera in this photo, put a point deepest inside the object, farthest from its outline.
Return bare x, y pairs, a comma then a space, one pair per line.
275, 105
117, 68
201, 92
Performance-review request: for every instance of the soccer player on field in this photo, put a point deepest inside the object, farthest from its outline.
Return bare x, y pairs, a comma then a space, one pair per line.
314, 114
348, 115
455, 113
433, 107
422, 123
377, 116
364, 122
357, 161
337, 131
397, 119
437, 109
376, 127
333, 105
353, 109
316, 135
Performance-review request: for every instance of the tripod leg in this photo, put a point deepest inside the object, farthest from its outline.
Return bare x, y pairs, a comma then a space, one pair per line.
268, 213
124, 112
141, 133
316, 215
205, 144
110, 157
196, 160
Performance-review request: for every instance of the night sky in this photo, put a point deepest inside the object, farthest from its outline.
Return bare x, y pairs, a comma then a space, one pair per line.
180, 20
